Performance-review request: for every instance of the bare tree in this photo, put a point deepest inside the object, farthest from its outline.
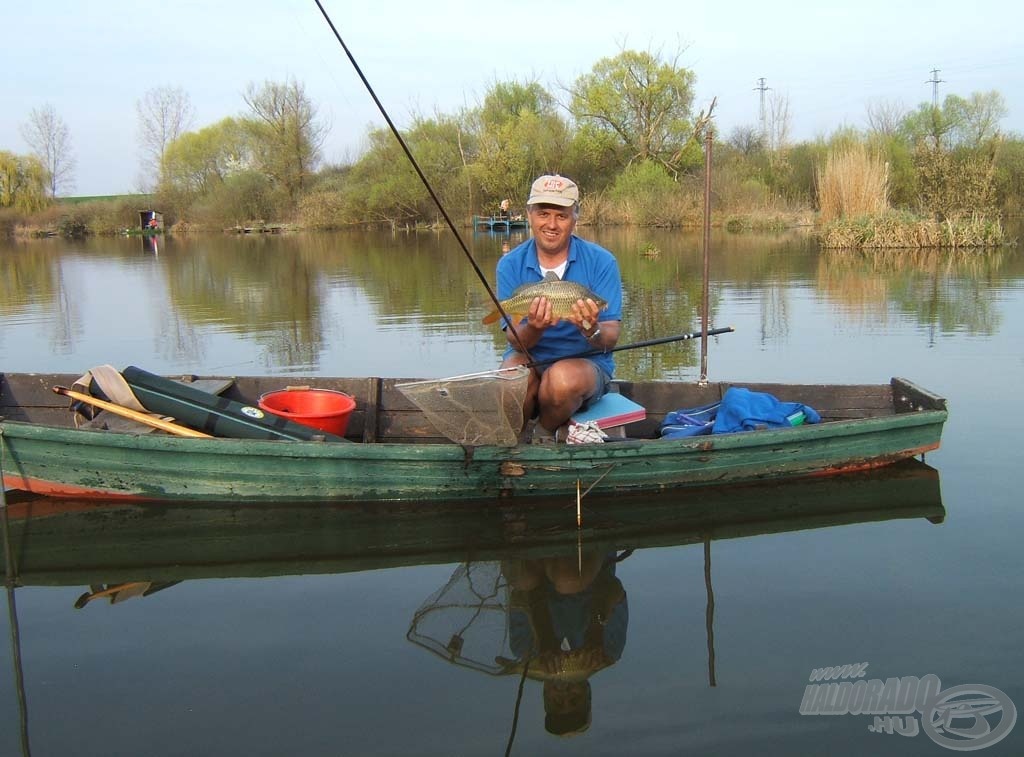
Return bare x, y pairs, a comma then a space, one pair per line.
50, 140
164, 114
885, 117
746, 139
778, 122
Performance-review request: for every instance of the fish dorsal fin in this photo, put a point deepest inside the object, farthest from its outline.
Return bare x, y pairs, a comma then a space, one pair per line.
549, 277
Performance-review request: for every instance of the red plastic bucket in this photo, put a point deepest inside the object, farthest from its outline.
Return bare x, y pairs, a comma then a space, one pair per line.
323, 409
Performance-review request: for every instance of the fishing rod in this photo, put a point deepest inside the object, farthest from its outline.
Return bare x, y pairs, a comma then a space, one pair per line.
419, 172
11, 580
637, 345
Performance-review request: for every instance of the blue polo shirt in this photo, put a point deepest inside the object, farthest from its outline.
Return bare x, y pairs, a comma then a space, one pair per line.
588, 264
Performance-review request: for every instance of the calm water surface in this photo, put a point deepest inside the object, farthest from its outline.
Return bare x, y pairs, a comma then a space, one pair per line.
317, 662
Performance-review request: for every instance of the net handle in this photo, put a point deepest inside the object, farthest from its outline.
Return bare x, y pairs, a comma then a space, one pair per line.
494, 373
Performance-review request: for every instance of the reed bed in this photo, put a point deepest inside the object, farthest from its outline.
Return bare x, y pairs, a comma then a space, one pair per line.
763, 221
905, 230
852, 183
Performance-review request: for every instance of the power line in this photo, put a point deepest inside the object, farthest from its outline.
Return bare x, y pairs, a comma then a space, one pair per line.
935, 81
761, 116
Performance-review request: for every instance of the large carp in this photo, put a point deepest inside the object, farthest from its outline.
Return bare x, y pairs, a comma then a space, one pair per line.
561, 294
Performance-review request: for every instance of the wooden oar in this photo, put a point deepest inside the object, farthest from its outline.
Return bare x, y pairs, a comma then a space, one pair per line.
124, 412
138, 589
89, 596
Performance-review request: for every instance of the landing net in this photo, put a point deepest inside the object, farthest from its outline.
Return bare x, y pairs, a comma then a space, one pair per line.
466, 621
474, 409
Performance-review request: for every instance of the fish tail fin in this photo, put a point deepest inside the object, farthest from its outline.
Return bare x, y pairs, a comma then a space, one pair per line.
493, 316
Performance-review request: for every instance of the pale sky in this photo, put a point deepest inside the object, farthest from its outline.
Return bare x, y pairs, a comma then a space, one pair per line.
93, 60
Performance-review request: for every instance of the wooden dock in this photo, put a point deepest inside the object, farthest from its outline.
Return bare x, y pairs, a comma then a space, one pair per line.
260, 229
498, 223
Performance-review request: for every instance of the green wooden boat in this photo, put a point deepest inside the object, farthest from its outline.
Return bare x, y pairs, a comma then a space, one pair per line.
60, 541
393, 453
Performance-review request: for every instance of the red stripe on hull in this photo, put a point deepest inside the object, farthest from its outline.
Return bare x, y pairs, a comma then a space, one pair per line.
864, 465
52, 489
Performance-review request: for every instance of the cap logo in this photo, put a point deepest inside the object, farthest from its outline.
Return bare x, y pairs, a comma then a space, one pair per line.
554, 184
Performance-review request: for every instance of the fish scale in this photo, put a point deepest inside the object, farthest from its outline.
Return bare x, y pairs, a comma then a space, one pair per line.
561, 294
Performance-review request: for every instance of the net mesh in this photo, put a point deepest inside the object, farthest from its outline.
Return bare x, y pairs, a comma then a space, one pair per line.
474, 409
466, 621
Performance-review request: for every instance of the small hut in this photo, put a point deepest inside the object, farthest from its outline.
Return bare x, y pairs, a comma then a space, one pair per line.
151, 221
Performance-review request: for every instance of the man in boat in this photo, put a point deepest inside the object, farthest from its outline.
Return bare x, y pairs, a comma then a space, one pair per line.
558, 389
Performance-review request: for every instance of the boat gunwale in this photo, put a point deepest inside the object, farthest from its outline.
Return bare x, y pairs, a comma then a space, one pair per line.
440, 452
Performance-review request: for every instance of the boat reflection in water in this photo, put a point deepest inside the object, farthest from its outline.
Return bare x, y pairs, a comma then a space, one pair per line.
60, 542
557, 613
533, 596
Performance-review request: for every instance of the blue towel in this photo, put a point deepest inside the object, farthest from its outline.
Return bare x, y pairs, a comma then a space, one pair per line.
744, 410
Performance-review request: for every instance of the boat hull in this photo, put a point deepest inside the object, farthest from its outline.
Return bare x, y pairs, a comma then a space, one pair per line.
96, 464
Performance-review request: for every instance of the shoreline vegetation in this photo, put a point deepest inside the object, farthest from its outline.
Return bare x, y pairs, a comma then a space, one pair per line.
937, 176
852, 208
887, 229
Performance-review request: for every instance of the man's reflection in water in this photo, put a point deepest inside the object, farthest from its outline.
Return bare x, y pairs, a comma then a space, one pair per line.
567, 620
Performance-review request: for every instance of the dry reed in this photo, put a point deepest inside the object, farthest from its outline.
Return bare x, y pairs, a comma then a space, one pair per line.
852, 183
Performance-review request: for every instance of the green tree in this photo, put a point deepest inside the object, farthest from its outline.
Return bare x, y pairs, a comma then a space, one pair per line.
642, 190
594, 158
899, 156
1009, 175
521, 135
960, 122
928, 123
197, 163
243, 196
383, 186
22, 182
975, 119
287, 134
439, 145
644, 102
955, 184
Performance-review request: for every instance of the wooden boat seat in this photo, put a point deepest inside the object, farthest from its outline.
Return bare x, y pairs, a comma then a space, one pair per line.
105, 421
